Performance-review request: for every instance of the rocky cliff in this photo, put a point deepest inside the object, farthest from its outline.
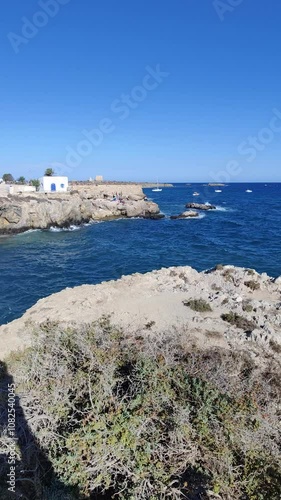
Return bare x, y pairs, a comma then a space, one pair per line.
41, 211
228, 307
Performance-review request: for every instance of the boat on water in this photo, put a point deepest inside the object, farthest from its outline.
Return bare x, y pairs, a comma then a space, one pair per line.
218, 190
196, 194
249, 191
157, 189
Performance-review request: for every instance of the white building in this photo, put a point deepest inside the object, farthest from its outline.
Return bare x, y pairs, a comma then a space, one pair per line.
20, 188
53, 184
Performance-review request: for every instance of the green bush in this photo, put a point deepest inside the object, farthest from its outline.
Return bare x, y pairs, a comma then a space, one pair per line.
253, 285
129, 415
238, 321
198, 305
247, 306
228, 274
251, 272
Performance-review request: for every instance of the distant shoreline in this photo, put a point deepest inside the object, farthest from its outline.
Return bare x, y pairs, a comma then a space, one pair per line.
123, 183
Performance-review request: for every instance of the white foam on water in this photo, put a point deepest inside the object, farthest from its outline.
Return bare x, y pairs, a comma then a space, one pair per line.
223, 209
55, 229
28, 231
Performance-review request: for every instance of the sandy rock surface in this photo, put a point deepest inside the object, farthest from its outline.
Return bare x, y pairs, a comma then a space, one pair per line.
155, 302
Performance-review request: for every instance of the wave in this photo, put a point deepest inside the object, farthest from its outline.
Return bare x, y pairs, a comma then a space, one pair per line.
223, 209
54, 229
218, 208
28, 232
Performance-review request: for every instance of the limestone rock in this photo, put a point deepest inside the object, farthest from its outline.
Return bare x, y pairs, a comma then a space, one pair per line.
41, 211
9, 214
200, 206
185, 215
157, 297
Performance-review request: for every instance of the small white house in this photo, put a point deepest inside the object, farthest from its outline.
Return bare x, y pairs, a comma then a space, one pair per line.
53, 184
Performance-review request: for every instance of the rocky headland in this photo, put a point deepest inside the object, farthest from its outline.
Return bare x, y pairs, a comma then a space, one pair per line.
230, 307
83, 204
171, 378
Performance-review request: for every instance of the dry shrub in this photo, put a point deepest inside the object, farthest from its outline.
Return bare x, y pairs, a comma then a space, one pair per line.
198, 305
247, 306
141, 417
251, 272
239, 321
219, 267
216, 288
228, 275
253, 285
275, 346
213, 334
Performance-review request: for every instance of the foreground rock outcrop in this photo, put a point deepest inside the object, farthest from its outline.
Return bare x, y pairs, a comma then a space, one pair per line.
41, 211
174, 392
227, 307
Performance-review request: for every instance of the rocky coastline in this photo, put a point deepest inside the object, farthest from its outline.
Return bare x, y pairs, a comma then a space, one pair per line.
86, 203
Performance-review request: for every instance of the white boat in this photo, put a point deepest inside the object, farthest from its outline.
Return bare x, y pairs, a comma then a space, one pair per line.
249, 191
157, 189
196, 194
218, 190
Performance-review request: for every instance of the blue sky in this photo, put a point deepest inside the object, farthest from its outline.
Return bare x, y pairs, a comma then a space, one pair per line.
92, 69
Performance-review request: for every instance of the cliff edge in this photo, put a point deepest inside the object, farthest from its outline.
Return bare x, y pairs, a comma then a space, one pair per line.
227, 307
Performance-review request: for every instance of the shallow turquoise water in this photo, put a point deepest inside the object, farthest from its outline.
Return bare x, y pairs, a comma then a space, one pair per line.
244, 231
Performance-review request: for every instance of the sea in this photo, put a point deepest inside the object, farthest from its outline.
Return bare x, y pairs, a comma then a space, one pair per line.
244, 230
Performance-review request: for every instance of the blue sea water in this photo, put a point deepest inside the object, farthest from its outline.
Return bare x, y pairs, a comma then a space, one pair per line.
245, 231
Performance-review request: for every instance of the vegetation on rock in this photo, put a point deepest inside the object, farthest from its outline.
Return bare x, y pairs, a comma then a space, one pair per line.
198, 305
239, 321
253, 285
135, 416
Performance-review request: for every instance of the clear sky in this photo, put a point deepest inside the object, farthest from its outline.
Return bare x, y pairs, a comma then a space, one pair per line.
182, 90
